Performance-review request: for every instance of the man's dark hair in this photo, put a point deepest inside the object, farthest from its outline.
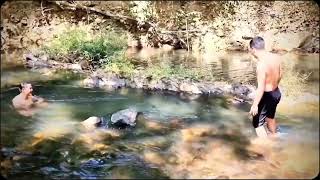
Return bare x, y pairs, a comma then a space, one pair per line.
257, 43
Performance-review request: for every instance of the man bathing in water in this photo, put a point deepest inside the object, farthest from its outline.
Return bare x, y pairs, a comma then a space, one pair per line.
268, 94
25, 101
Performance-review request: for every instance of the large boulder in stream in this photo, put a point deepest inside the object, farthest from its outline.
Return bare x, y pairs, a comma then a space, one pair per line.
93, 122
126, 117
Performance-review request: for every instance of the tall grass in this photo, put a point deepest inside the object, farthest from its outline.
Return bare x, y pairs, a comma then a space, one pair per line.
98, 48
120, 65
160, 71
293, 83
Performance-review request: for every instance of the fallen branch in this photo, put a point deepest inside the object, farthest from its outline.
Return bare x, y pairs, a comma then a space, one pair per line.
77, 6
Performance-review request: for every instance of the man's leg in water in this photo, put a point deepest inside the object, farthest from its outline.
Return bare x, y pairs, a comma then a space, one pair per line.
272, 126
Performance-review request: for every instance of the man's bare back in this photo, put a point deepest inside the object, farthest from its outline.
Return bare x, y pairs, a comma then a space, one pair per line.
271, 66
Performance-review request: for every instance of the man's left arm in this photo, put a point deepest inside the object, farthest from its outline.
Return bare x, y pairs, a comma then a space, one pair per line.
261, 77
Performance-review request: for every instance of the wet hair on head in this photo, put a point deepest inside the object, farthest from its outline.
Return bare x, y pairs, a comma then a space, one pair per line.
257, 43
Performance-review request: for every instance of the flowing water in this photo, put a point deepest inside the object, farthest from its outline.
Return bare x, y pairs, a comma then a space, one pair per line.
177, 135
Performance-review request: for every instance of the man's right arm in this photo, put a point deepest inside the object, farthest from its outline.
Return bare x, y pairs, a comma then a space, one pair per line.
39, 101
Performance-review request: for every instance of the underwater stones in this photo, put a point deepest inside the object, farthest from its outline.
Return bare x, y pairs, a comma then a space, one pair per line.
154, 157
124, 117
176, 123
94, 140
93, 163
193, 133
6, 164
155, 126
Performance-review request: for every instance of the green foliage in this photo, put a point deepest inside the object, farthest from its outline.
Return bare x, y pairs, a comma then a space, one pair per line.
102, 47
121, 65
293, 83
98, 48
66, 42
158, 72
189, 73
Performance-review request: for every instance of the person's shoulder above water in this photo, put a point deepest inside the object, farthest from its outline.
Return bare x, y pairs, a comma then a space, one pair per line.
25, 100
16, 101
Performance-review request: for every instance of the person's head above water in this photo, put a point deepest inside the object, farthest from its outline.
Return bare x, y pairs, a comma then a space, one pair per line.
25, 88
257, 46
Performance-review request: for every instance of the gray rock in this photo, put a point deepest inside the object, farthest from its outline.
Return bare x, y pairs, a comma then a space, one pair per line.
126, 117
240, 89
74, 67
33, 62
113, 82
93, 122
171, 84
92, 81
139, 82
190, 88
30, 57
159, 85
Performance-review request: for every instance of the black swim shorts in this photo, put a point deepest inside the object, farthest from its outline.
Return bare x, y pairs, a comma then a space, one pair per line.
267, 107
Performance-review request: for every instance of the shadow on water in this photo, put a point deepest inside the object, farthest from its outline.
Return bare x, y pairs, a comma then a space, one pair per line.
239, 144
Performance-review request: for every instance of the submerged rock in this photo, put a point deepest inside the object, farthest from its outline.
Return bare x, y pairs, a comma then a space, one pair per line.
126, 117
93, 122
193, 133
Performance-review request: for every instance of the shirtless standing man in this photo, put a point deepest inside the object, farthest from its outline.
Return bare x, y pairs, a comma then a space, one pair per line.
25, 101
268, 94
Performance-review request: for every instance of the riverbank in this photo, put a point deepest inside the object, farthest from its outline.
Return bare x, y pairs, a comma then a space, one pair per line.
186, 81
